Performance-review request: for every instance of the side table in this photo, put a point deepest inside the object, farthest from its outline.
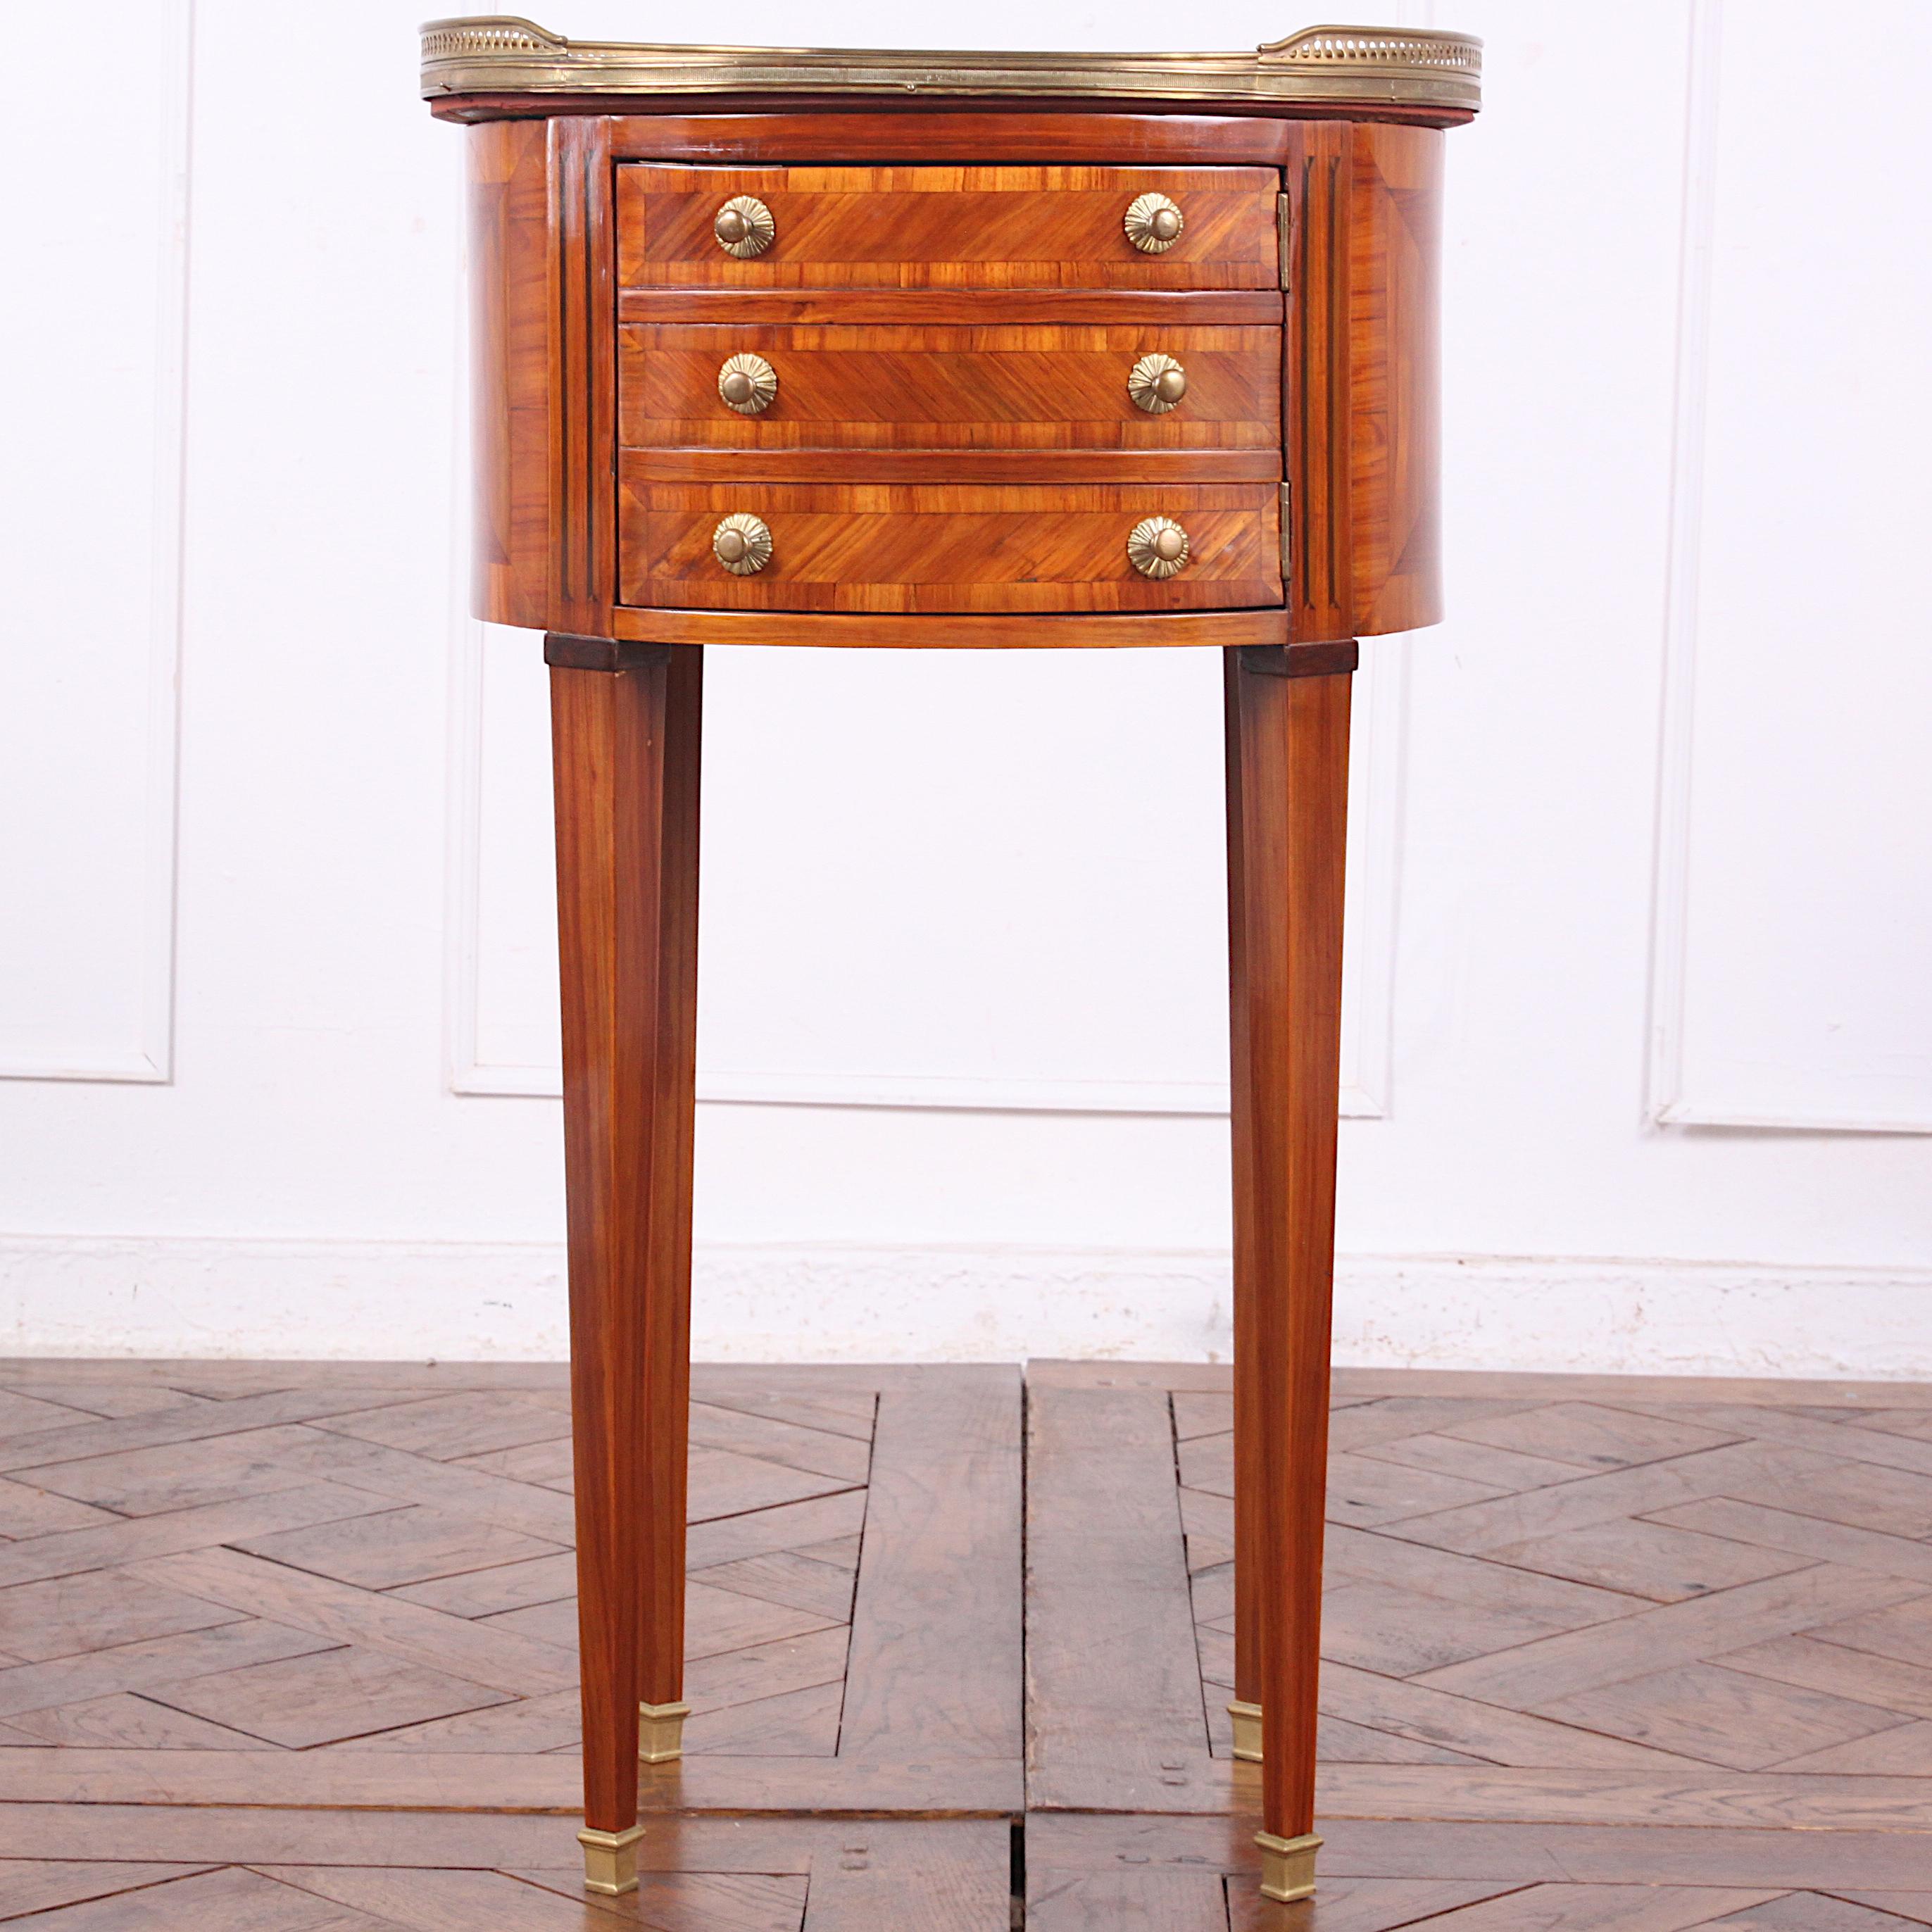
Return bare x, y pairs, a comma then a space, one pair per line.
784, 346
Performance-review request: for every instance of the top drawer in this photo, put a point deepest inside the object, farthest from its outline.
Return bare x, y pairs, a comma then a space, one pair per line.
946, 227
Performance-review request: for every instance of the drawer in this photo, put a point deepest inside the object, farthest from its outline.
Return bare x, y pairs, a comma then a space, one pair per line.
943, 227
947, 547
885, 388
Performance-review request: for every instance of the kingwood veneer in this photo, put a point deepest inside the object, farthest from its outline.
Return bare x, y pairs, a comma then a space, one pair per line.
954, 350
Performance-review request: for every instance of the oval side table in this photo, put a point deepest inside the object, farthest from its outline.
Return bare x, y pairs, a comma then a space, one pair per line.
952, 349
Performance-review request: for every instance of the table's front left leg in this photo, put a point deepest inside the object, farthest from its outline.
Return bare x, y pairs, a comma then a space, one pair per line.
625, 751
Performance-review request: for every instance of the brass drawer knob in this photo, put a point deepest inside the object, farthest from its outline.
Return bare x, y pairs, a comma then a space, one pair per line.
748, 383
1154, 223
1157, 382
743, 543
1158, 547
744, 226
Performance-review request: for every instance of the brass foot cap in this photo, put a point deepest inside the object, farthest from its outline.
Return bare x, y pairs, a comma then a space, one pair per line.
661, 1732
610, 1860
1288, 1866
1247, 1731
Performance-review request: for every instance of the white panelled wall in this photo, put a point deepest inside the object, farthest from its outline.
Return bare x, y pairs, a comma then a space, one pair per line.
1639, 988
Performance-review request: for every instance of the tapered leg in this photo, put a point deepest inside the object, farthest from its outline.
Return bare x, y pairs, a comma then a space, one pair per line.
1288, 775
626, 750
1246, 1710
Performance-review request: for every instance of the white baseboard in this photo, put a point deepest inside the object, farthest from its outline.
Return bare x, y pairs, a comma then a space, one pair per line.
405, 1300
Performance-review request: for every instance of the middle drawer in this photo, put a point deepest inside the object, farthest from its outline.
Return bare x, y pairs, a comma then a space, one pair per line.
773, 387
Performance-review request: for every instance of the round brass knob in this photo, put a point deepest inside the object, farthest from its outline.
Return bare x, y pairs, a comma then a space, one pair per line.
1158, 547
744, 226
748, 383
1154, 223
743, 543
1157, 382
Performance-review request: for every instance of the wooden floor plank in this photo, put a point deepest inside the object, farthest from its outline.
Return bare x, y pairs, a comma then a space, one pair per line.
464, 1423
1478, 1527
1534, 1674
1166, 1900
1786, 1800
1914, 1906
29, 1512
1683, 1631
1113, 1701
951, 1878
41, 1885
144, 1666
441, 1901
216, 1901
174, 1476
1814, 1912
822, 1452
473, 1494
499, 1660
1501, 1855
21, 1414
795, 1723
1476, 1730
173, 1426
1803, 1537
1880, 1448
669, 1901
1362, 1904
1353, 1384
123, 1722
342, 1694
408, 1545
1607, 1908
935, 1670
789, 1526
69, 1552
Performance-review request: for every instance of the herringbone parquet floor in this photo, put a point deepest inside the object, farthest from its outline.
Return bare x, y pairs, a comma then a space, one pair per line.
291, 1648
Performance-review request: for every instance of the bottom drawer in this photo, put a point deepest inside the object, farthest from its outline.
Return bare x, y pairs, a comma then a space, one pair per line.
865, 547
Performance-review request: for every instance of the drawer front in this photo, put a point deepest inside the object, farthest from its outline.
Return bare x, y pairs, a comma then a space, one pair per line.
946, 227
948, 546
870, 389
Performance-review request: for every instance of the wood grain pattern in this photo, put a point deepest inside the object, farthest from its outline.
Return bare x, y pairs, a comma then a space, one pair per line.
854, 1650
1008, 308
936, 548
1315, 378
1107, 1581
995, 226
1153, 468
1719, 1694
868, 388
509, 370
1291, 740
1014, 133
315, 1874
625, 754
583, 377
936, 1640
1245, 1204
854, 631
1022, 235
1394, 247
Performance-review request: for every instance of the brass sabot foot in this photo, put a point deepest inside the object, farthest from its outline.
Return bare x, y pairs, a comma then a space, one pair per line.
661, 1732
1288, 1866
610, 1860
1247, 1731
